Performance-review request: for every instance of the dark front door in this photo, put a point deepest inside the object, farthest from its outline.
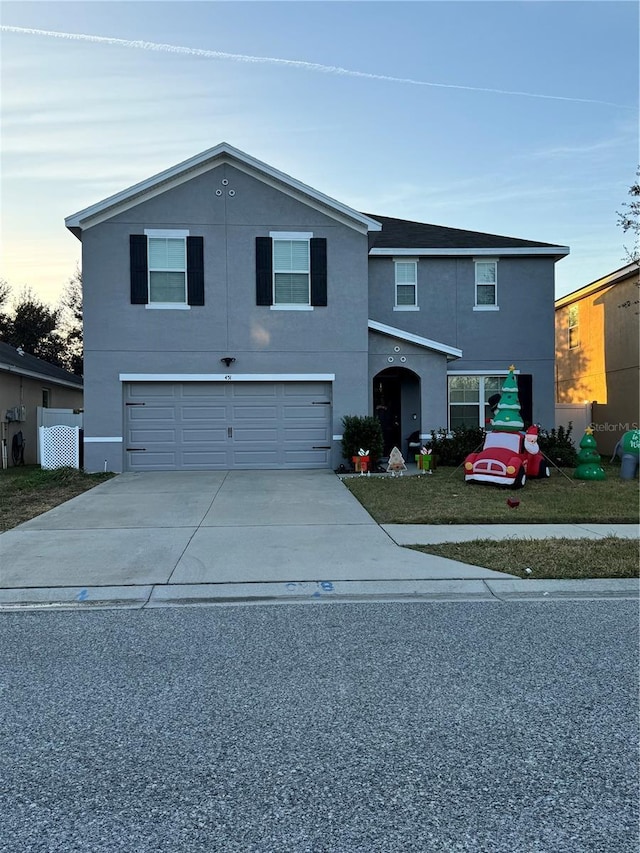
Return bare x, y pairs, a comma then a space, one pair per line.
387, 408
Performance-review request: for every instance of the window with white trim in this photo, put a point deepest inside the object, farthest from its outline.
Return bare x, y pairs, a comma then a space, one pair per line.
406, 284
486, 284
167, 259
573, 316
469, 399
291, 272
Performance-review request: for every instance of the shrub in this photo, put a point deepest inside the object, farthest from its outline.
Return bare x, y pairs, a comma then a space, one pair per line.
361, 432
558, 446
453, 447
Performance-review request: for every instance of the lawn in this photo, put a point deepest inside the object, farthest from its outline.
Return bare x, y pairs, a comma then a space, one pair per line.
27, 491
560, 559
444, 498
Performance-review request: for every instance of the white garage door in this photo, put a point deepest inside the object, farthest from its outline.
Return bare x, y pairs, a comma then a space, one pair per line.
174, 426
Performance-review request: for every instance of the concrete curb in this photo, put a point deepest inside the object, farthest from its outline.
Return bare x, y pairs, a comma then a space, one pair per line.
518, 589
75, 598
306, 592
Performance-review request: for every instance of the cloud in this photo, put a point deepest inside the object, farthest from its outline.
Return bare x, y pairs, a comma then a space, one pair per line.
290, 63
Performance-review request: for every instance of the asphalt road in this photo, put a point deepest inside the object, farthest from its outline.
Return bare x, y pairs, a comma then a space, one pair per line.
321, 727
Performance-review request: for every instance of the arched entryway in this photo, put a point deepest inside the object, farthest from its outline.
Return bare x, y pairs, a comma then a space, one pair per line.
396, 403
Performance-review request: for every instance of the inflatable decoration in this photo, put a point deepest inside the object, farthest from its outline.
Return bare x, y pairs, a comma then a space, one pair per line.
509, 455
628, 450
589, 467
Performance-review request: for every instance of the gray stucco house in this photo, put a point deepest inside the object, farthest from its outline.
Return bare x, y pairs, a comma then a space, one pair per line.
234, 315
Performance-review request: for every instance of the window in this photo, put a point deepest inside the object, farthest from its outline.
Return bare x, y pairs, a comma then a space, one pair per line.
486, 285
45, 398
574, 329
167, 269
291, 272
469, 399
406, 273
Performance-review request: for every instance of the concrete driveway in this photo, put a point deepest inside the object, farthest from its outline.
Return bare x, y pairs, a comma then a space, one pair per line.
193, 528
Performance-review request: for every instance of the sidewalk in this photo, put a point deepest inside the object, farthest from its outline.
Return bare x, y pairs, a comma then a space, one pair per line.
431, 534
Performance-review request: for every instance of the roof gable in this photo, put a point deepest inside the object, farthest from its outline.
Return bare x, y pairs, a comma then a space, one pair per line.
204, 162
427, 343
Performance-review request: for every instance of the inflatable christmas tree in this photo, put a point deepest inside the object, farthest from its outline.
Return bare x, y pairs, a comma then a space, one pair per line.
589, 467
507, 417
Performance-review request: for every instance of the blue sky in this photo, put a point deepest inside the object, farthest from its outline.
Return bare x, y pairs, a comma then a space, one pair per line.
83, 119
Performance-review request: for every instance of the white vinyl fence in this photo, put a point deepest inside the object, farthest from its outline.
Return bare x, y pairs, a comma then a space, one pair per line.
578, 413
59, 446
57, 417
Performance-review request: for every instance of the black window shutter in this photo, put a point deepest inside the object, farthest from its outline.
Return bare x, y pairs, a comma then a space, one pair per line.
195, 270
318, 271
264, 271
138, 269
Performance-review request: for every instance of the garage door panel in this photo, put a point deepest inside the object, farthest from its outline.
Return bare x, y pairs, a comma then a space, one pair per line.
203, 436
140, 436
257, 413
222, 425
257, 435
150, 461
263, 390
152, 413
204, 459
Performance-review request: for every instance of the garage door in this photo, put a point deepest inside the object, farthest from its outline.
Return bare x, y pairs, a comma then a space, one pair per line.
174, 426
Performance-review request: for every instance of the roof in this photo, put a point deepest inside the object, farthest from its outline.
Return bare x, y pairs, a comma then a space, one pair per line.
204, 162
28, 365
422, 238
427, 343
612, 278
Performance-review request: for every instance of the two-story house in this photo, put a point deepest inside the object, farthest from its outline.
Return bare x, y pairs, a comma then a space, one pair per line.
597, 352
234, 315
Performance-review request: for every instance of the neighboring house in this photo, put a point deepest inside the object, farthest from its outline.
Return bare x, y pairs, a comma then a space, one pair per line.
27, 382
597, 347
234, 315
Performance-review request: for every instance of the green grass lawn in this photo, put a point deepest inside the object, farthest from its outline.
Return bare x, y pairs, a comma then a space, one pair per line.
444, 498
27, 491
564, 559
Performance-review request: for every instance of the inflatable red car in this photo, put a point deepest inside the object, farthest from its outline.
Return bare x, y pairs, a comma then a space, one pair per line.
507, 459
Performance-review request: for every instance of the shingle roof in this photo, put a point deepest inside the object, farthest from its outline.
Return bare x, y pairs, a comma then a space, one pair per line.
11, 359
406, 234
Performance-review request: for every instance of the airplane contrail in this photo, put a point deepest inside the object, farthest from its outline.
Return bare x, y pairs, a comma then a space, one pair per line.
289, 63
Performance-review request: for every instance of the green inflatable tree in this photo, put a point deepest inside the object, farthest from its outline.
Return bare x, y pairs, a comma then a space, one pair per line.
589, 467
507, 416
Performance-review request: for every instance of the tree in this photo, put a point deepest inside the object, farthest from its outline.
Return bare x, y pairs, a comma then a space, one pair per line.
507, 417
33, 326
629, 219
70, 323
5, 292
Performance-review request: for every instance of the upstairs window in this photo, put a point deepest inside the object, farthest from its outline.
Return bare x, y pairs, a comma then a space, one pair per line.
291, 272
574, 329
486, 285
167, 269
406, 275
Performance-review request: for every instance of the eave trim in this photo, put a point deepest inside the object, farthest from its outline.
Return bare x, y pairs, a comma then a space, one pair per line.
451, 352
